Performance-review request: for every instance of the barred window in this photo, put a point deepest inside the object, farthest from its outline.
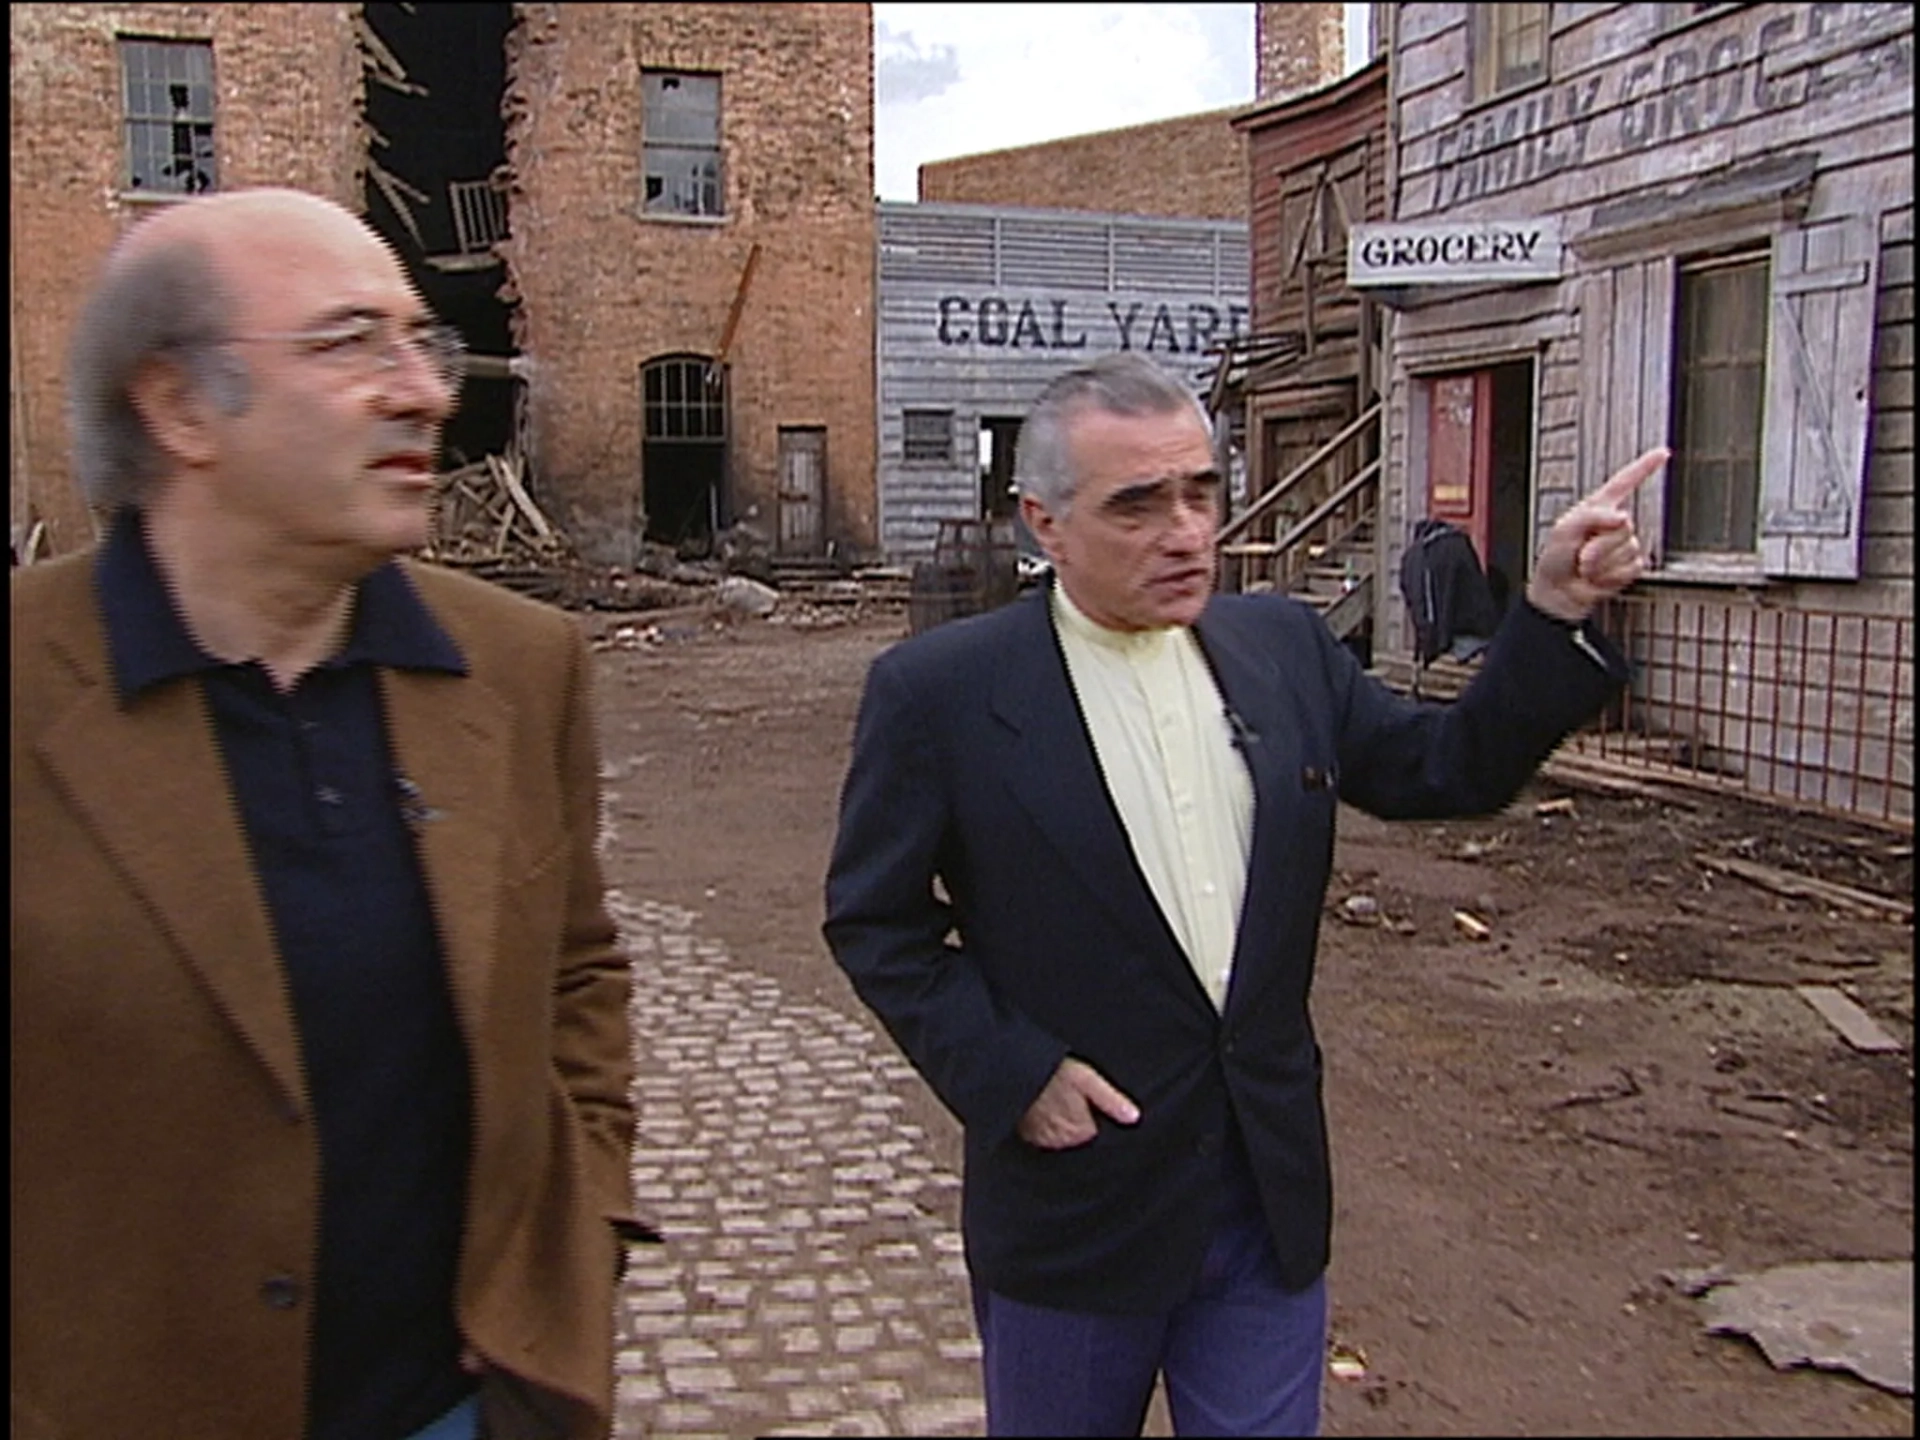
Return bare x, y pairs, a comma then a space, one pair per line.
168, 105
927, 435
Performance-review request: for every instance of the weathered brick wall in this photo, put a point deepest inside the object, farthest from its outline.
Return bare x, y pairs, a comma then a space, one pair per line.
1297, 48
604, 288
1193, 165
287, 87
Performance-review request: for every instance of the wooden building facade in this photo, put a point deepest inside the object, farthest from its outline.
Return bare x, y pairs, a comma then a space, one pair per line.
1710, 211
980, 306
1306, 381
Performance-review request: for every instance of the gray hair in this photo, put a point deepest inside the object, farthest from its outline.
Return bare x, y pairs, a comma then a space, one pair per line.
171, 302
1124, 383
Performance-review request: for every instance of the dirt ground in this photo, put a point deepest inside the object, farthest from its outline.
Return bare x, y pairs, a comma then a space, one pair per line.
1532, 1131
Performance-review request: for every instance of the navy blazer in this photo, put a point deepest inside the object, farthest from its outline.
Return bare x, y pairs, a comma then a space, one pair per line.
985, 902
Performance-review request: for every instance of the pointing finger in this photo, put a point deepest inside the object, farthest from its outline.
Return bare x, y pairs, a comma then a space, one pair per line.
1628, 478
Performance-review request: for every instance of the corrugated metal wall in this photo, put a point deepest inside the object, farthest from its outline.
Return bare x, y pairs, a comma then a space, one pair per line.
980, 306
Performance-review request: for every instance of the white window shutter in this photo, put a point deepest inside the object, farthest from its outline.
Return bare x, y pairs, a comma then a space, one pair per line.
1819, 377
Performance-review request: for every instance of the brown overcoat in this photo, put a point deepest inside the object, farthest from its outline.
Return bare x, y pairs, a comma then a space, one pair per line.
165, 1175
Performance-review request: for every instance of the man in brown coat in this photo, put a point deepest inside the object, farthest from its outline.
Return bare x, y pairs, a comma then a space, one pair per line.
320, 1051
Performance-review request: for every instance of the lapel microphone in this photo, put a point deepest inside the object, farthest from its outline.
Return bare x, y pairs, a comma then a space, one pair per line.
1245, 737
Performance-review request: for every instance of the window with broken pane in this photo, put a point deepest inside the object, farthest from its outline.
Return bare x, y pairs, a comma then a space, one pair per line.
1719, 388
680, 128
167, 90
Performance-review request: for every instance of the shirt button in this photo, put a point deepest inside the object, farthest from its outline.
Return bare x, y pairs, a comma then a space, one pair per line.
1208, 888
281, 1292
327, 795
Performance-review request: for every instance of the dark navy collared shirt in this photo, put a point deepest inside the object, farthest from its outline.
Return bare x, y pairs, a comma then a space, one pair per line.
314, 781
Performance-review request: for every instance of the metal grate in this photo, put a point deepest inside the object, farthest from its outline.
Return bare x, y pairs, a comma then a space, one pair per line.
1811, 708
479, 214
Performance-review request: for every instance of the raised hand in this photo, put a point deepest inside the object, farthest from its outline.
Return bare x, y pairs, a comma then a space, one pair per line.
1592, 550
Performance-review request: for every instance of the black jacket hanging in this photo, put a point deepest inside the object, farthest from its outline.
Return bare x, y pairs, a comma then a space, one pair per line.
1446, 591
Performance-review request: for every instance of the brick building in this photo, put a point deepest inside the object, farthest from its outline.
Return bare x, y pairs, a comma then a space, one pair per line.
655, 228
1192, 166
284, 89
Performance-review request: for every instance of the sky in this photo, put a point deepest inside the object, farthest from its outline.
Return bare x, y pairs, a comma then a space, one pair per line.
959, 79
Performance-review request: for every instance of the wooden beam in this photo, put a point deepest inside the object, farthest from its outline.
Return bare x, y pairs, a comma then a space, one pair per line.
739, 303
1808, 887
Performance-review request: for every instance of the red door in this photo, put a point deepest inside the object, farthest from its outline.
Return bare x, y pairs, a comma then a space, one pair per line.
1460, 454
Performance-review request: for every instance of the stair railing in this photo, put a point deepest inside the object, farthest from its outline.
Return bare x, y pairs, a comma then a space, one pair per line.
1331, 522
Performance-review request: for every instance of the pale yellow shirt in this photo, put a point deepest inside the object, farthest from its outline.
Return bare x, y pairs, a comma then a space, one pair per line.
1160, 733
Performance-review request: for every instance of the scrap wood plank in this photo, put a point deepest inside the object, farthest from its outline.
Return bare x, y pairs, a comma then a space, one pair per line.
506, 472
1595, 774
1856, 1026
1807, 887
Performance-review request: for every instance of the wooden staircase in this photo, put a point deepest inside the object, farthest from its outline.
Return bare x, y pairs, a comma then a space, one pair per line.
1312, 534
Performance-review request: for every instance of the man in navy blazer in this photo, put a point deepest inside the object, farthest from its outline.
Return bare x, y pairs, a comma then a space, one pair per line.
1083, 849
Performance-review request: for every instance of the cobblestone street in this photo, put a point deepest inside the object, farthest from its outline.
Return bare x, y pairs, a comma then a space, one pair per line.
807, 1285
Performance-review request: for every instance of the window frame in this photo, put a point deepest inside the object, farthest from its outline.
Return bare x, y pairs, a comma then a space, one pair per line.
928, 416
656, 144
1494, 26
702, 417
1686, 364
137, 119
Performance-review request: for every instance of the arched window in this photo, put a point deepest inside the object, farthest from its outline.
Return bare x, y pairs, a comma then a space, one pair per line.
684, 398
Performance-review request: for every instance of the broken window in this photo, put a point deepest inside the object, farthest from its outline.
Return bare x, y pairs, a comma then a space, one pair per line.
169, 115
1719, 390
680, 126
926, 435
1509, 45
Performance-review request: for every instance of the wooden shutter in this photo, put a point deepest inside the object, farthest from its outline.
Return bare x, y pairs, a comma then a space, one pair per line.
1626, 379
1819, 377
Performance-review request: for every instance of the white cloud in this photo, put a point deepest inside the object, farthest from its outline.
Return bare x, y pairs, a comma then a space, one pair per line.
960, 79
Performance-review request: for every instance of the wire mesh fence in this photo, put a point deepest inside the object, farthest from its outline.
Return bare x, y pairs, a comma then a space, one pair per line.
1811, 708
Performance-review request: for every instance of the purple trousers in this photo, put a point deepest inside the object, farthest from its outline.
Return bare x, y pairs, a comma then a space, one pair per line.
1241, 1354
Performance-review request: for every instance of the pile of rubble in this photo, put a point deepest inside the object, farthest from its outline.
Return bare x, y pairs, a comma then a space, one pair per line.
487, 522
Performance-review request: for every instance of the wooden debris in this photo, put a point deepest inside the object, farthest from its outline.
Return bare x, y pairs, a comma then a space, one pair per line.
1856, 1026
1471, 925
1807, 887
1590, 772
1561, 806
486, 517
507, 472
1627, 1089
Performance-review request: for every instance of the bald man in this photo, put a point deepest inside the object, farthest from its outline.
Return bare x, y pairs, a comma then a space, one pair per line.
320, 1050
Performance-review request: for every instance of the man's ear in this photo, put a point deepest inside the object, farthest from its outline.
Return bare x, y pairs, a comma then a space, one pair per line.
1041, 522
177, 413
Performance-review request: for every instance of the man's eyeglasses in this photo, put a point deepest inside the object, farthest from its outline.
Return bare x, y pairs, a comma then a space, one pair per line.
370, 346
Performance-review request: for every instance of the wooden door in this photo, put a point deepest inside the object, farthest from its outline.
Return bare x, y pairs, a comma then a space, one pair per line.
803, 488
1460, 454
